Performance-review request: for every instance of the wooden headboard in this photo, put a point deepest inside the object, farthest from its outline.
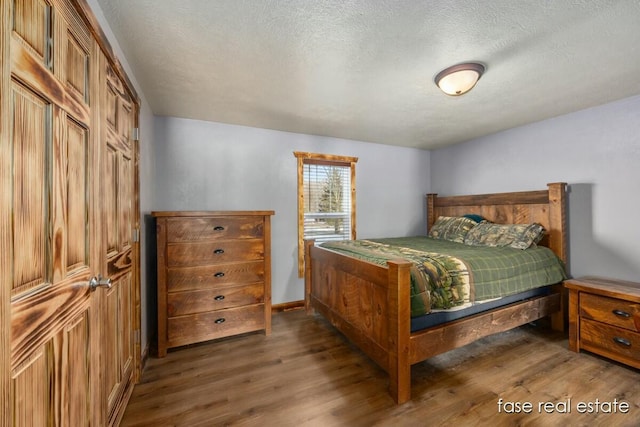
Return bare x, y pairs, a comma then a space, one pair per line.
546, 207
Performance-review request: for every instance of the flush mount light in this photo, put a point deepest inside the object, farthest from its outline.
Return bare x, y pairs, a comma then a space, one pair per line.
459, 79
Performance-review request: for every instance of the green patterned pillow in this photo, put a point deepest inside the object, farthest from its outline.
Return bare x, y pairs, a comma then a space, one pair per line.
452, 228
518, 236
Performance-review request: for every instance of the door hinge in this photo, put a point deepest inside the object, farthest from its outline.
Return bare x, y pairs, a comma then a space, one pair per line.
135, 134
136, 235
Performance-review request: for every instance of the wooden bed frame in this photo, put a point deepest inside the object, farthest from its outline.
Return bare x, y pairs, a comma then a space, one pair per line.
370, 304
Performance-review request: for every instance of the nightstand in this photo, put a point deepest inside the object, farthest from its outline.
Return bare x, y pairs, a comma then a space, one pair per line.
604, 318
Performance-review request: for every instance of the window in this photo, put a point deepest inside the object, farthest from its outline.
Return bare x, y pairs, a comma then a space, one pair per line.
326, 199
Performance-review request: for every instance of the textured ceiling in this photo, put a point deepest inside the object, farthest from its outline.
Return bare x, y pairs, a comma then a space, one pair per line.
364, 69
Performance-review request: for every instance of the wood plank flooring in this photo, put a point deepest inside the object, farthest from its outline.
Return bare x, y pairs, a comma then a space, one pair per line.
307, 374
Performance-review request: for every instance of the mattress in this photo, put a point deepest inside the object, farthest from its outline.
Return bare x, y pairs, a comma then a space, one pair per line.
447, 275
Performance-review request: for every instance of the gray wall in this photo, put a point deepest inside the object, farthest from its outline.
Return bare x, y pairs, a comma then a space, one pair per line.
596, 151
213, 166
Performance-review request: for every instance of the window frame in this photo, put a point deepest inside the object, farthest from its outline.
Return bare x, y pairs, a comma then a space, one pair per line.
305, 158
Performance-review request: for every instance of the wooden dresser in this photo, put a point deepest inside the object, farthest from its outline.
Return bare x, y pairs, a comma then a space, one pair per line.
214, 275
604, 318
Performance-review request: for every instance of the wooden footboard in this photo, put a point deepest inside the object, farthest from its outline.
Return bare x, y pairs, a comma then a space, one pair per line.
368, 303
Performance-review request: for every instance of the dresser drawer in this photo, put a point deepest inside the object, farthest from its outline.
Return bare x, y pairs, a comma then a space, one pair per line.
214, 276
225, 251
215, 324
612, 311
610, 341
192, 302
214, 228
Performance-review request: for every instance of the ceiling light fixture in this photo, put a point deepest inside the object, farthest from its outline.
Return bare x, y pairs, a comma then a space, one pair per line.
459, 79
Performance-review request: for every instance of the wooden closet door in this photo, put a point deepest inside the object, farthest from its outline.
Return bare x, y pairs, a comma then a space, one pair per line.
68, 207
50, 242
117, 204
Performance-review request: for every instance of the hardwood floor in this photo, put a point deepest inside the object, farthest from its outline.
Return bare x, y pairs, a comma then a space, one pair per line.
306, 374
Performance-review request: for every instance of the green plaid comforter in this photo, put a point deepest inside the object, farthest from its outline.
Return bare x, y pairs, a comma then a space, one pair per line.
447, 274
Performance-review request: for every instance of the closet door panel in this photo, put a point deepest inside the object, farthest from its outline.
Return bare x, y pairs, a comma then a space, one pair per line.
32, 24
31, 403
77, 189
31, 127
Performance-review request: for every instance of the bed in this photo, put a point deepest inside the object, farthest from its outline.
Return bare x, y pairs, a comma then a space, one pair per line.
371, 303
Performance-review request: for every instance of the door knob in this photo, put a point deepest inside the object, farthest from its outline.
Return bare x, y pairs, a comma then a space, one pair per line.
99, 281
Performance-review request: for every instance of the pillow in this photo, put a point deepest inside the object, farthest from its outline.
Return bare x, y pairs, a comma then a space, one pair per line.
518, 236
474, 217
452, 228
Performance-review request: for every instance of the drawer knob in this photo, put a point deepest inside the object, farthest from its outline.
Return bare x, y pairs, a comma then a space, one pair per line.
219, 274
218, 297
621, 313
622, 341
218, 228
218, 251
220, 320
